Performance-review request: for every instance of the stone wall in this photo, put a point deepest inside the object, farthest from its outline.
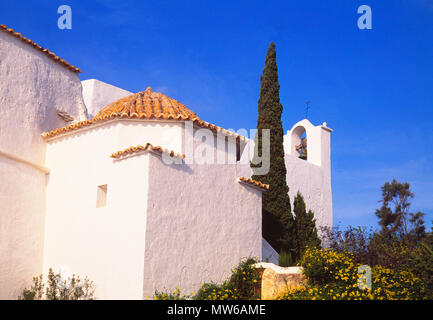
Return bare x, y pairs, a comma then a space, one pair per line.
276, 280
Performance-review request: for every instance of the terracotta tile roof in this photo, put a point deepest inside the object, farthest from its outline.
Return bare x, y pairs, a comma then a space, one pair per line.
254, 183
145, 105
74, 126
146, 147
148, 105
51, 55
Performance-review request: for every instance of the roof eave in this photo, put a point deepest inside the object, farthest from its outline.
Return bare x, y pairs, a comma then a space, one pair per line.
48, 53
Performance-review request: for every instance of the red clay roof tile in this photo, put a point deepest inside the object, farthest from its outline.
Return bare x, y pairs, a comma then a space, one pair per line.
254, 183
146, 147
148, 104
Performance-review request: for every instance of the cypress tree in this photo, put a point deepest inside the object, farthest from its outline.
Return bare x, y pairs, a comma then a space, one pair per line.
276, 211
305, 226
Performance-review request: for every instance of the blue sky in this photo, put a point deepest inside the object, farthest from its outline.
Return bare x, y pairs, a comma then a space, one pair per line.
373, 87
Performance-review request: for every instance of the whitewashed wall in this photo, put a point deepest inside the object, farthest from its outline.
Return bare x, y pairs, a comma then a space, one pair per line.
22, 208
167, 134
105, 244
32, 86
311, 182
164, 225
201, 223
98, 94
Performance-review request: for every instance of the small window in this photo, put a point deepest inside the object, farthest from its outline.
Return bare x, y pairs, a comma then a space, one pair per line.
238, 149
101, 196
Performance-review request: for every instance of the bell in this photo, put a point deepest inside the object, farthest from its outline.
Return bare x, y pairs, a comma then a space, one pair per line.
302, 153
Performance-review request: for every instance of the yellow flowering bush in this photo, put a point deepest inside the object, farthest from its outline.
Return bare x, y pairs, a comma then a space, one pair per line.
334, 276
213, 291
324, 266
388, 284
244, 280
171, 295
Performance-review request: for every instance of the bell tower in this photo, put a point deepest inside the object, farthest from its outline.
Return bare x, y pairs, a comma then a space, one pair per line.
307, 151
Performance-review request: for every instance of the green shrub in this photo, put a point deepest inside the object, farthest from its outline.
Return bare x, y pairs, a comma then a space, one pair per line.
213, 291
422, 266
244, 280
59, 289
285, 259
241, 285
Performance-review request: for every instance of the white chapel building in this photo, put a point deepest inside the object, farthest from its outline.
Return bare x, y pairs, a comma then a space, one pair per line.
113, 185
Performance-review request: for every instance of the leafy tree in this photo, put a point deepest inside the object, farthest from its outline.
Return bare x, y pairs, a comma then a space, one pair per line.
305, 226
417, 233
394, 216
398, 195
278, 221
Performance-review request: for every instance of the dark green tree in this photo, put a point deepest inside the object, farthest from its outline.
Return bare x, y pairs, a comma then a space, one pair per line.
278, 221
305, 226
394, 216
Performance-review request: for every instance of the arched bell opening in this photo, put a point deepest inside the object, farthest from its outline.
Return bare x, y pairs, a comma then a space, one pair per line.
299, 143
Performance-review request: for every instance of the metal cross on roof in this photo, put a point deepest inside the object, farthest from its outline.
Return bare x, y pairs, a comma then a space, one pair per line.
307, 109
